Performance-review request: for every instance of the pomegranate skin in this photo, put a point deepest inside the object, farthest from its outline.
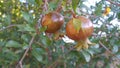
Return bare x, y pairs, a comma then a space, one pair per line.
53, 21
86, 29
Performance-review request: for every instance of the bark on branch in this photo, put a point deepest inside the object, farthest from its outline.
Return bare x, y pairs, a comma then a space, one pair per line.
113, 3
8, 27
25, 53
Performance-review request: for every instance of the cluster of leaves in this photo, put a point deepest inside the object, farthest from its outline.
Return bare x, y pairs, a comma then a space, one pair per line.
17, 27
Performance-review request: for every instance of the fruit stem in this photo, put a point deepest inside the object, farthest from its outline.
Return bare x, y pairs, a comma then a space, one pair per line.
45, 6
73, 14
59, 8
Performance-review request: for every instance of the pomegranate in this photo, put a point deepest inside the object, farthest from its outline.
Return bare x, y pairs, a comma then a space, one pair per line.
79, 28
53, 21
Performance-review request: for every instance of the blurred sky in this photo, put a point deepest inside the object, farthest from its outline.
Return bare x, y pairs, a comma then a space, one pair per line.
89, 3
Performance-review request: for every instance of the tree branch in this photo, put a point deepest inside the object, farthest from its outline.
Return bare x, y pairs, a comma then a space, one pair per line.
113, 2
8, 27
21, 60
108, 50
104, 47
45, 6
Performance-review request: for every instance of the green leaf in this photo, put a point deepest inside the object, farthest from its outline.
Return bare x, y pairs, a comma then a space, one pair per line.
8, 56
110, 18
115, 49
118, 55
26, 66
25, 37
90, 51
77, 24
25, 27
31, 1
86, 56
39, 2
37, 53
74, 53
53, 5
118, 66
42, 29
28, 17
118, 15
45, 40
108, 65
12, 43
7, 19
2, 43
25, 46
98, 9
75, 4
95, 48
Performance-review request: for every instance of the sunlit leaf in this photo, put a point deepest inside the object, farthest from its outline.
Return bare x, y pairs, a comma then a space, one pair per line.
115, 49
118, 56
98, 9
37, 53
75, 4
25, 38
45, 40
42, 29
26, 66
31, 1
39, 2
53, 5
7, 19
90, 51
28, 17
12, 43
25, 28
110, 18
86, 56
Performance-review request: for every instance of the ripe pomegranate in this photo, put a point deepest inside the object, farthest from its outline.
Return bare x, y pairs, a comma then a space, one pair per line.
79, 28
53, 21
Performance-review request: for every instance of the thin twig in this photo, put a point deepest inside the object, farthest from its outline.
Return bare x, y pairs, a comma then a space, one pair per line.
38, 43
113, 2
59, 7
45, 6
65, 65
104, 47
8, 27
21, 60
108, 50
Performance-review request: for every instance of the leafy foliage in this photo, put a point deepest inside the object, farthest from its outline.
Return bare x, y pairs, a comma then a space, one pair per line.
18, 20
